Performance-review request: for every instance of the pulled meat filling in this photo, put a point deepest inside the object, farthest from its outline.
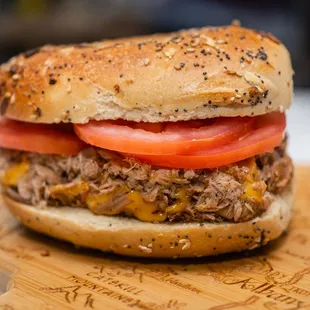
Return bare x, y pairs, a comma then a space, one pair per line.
105, 183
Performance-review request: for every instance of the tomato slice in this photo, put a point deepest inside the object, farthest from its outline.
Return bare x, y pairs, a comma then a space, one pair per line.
38, 138
163, 138
267, 134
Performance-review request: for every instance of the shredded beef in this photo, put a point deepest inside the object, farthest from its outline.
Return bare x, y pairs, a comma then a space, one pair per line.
277, 168
212, 194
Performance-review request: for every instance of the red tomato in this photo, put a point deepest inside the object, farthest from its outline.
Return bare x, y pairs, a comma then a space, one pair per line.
38, 138
163, 138
267, 134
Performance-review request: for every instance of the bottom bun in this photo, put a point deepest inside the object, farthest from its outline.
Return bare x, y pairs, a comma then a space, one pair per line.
131, 237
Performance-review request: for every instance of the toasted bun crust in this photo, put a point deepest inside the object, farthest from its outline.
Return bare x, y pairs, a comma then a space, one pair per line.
196, 73
134, 238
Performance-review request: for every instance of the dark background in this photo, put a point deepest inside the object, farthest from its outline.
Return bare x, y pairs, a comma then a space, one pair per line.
25, 24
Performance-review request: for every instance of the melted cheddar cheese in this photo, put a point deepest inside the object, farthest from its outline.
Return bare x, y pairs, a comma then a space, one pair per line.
14, 173
253, 189
67, 193
103, 203
142, 210
180, 205
134, 206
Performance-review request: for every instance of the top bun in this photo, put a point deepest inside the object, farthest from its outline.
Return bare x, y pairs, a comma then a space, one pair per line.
191, 74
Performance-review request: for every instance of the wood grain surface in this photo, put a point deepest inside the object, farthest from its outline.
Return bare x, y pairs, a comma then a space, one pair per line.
48, 274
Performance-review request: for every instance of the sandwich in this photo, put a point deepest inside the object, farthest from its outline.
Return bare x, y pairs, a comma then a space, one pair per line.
167, 145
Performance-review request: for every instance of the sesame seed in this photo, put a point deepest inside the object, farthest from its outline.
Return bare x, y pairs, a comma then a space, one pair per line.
169, 53
179, 66
69, 89
176, 39
146, 62
15, 77
190, 50
194, 42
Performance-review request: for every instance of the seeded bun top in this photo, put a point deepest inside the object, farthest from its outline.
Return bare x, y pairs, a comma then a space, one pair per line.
196, 73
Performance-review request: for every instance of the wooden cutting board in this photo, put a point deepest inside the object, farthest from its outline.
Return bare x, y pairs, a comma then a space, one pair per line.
48, 274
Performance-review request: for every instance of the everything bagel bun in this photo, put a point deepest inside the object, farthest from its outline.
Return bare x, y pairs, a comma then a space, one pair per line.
197, 73
131, 237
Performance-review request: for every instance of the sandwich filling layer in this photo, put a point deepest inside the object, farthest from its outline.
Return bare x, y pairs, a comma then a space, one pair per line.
109, 184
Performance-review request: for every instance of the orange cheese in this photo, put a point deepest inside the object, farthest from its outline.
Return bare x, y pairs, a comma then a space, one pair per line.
180, 205
253, 190
136, 207
67, 193
142, 210
14, 173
